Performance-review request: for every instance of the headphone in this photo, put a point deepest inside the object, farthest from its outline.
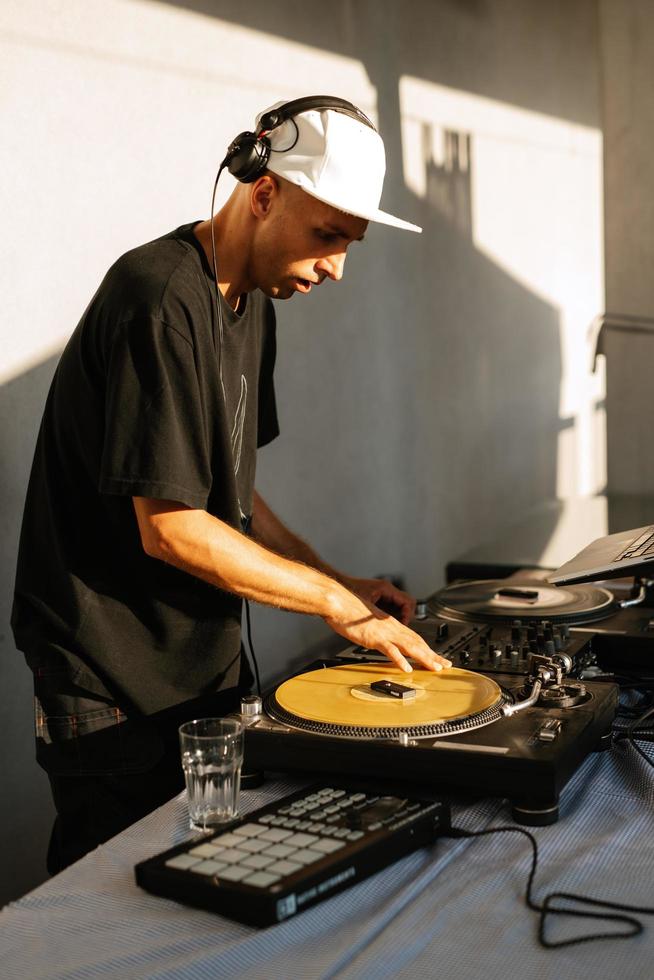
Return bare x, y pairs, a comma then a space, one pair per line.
248, 155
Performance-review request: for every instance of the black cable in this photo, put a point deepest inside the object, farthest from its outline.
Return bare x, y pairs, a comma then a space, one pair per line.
219, 311
631, 733
217, 297
251, 646
286, 149
640, 752
641, 735
546, 908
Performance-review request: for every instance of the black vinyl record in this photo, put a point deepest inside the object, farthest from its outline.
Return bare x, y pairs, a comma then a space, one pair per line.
502, 600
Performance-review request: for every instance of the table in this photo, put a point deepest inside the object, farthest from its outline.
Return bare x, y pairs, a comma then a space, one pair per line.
455, 910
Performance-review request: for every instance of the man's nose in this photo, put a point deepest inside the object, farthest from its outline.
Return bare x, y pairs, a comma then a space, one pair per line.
332, 265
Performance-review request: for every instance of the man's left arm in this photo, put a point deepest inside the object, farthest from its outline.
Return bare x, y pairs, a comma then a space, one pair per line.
271, 532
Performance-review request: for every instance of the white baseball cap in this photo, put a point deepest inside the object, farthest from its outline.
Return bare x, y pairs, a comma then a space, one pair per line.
336, 159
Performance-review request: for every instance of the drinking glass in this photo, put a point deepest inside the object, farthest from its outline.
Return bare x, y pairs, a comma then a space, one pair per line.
212, 755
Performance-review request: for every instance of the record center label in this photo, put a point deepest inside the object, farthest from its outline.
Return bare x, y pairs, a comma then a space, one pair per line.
365, 693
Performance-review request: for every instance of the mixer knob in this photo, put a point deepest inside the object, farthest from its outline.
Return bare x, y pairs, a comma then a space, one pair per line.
421, 609
566, 663
443, 631
550, 649
558, 643
514, 655
497, 658
465, 657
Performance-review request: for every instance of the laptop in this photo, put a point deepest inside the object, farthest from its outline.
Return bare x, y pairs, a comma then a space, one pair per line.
614, 556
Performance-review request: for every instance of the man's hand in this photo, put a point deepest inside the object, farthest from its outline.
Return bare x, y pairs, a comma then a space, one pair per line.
379, 592
359, 621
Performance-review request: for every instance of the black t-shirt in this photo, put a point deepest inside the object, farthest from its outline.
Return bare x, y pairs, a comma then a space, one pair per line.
137, 408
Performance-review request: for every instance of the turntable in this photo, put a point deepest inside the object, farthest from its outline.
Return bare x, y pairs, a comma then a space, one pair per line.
518, 736
525, 599
514, 717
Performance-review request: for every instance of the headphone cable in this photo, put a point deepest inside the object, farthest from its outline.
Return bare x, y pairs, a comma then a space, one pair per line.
218, 302
217, 298
251, 647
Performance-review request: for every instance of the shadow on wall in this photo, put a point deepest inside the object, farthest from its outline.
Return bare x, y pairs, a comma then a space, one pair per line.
490, 365
27, 822
478, 46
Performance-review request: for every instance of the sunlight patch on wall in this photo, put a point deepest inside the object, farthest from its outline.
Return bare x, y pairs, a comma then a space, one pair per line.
527, 189
579, 523
115, 115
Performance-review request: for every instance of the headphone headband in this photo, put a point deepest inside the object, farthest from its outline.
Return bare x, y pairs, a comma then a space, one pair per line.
247, 155
274, 118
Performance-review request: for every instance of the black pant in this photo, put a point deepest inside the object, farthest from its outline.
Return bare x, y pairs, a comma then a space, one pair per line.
106, 769
91, 808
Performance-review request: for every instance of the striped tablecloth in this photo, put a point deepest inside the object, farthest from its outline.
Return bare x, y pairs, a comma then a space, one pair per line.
452, 911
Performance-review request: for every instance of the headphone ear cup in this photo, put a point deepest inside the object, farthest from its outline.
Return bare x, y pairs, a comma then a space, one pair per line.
247, 156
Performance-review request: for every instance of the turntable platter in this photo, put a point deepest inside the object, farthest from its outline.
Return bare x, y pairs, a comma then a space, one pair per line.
339, 700
506, 599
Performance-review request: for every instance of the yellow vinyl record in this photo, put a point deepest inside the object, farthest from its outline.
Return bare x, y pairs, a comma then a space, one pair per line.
342, 696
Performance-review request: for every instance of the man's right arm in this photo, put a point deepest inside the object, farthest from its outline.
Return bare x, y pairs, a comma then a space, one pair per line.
202, 545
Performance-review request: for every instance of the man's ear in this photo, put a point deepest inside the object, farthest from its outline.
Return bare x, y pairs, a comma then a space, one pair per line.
265, 191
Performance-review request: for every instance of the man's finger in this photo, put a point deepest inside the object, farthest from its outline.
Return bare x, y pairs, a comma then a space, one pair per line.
409, 605
431, 660
408, 608
393, 653
405, 604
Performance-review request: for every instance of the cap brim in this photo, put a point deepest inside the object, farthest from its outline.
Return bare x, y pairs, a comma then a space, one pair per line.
382, 217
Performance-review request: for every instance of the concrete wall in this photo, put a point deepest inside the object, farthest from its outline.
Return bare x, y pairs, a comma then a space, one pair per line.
627, 82
441, 388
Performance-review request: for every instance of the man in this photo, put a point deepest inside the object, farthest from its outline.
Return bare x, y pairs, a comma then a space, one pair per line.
135, 552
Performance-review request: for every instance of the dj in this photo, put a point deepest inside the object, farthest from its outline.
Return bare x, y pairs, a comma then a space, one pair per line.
142, 528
